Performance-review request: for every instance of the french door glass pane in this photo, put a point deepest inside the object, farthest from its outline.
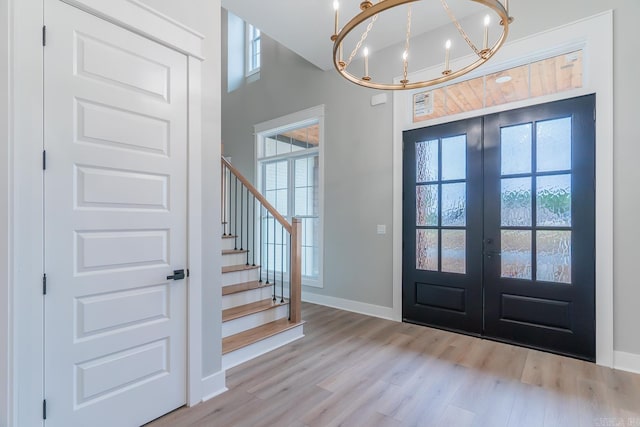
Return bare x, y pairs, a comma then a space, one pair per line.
427, 249
516, 254
427, 161
553, 138
454, 251
515, 202
553, 200
427, 205
454, 158
515, 149
454, 204
553, 258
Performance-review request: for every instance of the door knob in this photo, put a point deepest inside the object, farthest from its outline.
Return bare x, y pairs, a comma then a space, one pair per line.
177, 275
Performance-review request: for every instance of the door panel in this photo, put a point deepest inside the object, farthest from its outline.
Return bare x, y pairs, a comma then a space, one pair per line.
540, 226
115, 223
504, 244
442, 276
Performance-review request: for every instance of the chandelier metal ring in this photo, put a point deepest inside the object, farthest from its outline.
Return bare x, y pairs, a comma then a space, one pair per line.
370, 11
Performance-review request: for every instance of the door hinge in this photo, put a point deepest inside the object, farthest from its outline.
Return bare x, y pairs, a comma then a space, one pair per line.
44, 35
44, 409
44, 160
44, 284
188, 272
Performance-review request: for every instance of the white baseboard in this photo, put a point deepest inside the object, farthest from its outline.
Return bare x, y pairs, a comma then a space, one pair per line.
627, 361
350, 305
213, 385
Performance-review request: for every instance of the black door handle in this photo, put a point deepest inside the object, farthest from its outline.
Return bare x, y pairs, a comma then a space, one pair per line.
177, 275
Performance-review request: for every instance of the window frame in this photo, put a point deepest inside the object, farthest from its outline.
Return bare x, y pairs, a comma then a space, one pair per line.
290, 122
250, 41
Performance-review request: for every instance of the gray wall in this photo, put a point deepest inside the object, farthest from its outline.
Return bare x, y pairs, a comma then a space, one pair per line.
4, 213
358, 161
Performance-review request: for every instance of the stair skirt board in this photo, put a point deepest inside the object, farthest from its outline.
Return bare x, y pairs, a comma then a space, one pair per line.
261, 347
240, 276
246, 297
235, 259
254, 320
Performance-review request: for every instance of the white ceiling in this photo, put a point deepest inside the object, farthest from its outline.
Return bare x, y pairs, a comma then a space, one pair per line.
305, 26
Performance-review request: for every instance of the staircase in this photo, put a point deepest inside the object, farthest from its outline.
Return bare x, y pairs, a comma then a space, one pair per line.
261, 273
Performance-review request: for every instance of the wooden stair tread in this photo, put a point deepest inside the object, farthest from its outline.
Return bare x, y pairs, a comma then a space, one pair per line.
241, 287
250, 336
234, 251
229, 236
238, 267
251, 308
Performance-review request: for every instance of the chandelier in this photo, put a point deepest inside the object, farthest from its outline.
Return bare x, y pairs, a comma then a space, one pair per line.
369, 13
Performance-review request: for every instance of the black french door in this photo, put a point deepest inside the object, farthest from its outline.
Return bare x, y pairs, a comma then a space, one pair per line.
499, 226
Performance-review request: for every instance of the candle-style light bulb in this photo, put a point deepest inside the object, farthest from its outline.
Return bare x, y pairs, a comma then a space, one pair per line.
447, 47
487, 21
366, 61
336, 7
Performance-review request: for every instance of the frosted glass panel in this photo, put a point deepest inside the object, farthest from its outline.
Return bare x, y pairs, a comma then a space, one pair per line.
427, 250
515, 195
427, 205
554, 200
516, 254
454, 157
427, 161
554, 145
553, 256
453, 251
515, 149
454, 205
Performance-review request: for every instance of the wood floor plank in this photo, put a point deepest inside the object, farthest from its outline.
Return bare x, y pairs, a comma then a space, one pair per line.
352, 370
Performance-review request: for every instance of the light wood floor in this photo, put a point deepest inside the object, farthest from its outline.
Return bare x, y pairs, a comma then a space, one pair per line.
354, 370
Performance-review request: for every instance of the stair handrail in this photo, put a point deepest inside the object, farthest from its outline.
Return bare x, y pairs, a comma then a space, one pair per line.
258, 195
295, 230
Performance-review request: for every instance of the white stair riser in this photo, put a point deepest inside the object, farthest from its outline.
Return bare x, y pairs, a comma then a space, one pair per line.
246, 297
243, 276
241, 324
228, 244
235, 259
261, 347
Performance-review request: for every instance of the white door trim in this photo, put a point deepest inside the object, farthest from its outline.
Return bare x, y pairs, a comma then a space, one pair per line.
26, 191
595, 34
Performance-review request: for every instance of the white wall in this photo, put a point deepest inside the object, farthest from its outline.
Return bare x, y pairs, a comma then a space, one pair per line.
204, 17
358, 171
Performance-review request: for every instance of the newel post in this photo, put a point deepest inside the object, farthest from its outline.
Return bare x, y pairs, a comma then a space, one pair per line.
296, 270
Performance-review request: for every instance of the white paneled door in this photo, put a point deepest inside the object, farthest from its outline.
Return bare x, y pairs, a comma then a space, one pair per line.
115, 223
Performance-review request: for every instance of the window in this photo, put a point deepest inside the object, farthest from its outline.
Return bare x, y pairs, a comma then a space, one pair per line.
556, 74
243, 52
253, 49
290, 176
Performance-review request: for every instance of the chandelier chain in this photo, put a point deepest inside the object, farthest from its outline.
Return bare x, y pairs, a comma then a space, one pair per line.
459, 27
405, 54
362, 39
